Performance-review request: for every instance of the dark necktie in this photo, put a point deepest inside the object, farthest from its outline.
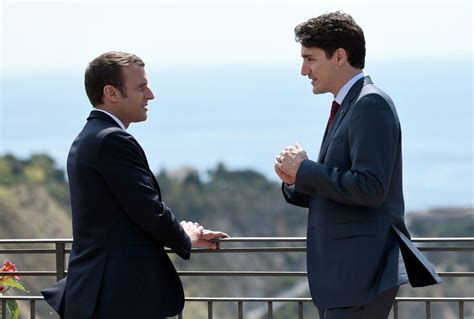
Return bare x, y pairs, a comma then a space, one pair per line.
334, 108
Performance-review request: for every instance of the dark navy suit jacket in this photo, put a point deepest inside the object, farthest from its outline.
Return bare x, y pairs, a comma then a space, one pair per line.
354, 194
120, 224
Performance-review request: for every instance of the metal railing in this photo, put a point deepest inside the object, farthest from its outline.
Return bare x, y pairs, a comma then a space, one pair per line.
62, 248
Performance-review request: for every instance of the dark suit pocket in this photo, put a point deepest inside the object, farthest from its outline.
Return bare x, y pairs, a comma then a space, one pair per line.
353, 229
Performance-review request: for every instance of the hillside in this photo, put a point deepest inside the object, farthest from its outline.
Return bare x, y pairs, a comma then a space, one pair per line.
34, 203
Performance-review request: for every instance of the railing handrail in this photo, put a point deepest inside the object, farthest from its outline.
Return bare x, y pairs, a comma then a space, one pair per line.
223, 273
62, 247
275, 299
239, 239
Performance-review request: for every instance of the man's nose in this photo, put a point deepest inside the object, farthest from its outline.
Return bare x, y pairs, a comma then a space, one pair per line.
151, 96
304, 70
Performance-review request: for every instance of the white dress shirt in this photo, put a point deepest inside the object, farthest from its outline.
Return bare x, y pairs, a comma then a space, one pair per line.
114, 117
345, 89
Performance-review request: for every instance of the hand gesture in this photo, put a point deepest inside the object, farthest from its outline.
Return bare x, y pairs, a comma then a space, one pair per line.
285, 178
288, 162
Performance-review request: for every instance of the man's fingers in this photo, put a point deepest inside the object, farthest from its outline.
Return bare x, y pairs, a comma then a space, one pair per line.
209, 234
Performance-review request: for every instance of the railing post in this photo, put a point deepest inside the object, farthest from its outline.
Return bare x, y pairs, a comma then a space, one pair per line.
395, 310
461, 310
32, 309
300, 310
240, 311
60, 261
428, 310
4, 308
270, 310
209, 310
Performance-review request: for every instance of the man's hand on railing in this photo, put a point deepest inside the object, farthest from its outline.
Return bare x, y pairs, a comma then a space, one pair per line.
201, 237
209, 239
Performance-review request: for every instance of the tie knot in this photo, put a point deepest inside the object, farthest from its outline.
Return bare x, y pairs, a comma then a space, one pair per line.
334, 107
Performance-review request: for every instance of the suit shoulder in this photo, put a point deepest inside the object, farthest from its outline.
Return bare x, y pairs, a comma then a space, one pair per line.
112, 133
375, 105
371, 93
373, 99
93, 136
116, 137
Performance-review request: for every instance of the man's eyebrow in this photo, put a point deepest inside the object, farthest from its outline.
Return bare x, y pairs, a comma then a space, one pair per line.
305, 55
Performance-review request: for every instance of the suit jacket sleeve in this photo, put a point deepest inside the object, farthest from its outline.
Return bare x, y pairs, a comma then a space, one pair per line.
373, 137
293, 197
127, 174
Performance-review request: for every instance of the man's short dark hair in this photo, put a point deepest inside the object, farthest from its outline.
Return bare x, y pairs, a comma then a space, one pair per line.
106, 69
332, 31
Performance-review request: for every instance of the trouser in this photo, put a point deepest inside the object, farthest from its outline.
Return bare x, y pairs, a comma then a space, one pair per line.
378, 308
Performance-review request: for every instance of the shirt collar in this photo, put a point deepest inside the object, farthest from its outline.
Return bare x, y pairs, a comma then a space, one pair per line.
345, 89
116, 119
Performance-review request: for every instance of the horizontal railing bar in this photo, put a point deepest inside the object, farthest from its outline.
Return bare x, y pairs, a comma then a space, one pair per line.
36, 241
27, 251
239, 250
303, 249
447, 248
244, 273
288, 273
265, 299
22, 297
303, 239
249, 250
456, 274
443, 239
28, 273
262, 239
435, 299
218, 273
242, 239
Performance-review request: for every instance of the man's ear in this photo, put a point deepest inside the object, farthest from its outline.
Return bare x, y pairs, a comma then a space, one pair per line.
111, 93
341, 56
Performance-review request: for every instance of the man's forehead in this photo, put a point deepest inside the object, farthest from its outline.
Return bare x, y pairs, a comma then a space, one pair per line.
134, 72
134, 69
305, 51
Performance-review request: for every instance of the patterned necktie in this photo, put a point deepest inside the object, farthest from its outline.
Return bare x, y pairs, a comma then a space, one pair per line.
334, 108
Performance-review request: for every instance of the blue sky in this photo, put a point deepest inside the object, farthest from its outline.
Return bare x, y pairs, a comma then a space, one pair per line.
65, 35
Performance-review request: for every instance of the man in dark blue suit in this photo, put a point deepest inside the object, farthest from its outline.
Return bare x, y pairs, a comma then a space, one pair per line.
358, 248
120, 222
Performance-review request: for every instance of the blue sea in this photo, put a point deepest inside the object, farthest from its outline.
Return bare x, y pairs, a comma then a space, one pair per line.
242, 115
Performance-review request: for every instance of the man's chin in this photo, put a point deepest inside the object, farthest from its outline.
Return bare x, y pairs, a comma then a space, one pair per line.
318, 91
141, 119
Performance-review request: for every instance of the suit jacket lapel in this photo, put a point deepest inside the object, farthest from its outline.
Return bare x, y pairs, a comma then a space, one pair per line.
341, 112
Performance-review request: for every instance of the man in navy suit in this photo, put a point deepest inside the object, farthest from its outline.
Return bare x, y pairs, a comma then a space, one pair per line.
120, 222
356, 227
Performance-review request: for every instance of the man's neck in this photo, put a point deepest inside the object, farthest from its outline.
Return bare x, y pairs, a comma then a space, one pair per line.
344, 78
112, 112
